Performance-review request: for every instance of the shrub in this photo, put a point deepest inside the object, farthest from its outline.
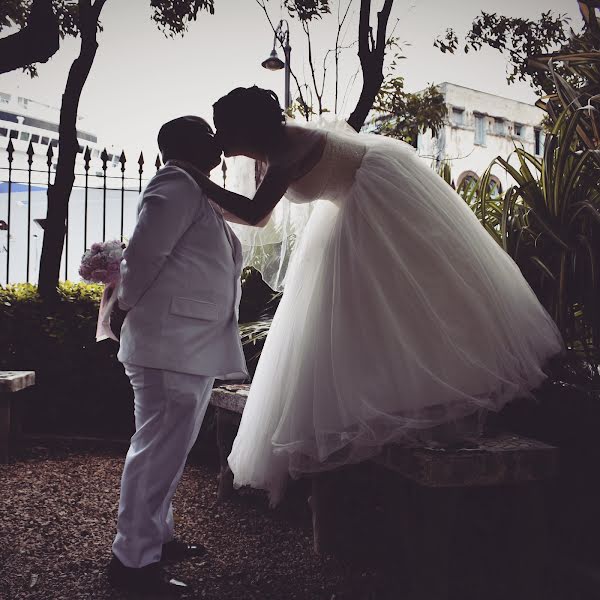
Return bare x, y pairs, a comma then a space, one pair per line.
80, 385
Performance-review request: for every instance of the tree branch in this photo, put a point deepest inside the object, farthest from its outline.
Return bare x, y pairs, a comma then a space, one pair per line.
371, 59
383, 17
36, 42
337, 51
60, 192
312, 68
363, 30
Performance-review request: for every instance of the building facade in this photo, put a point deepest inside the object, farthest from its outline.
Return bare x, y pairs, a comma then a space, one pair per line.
480, 127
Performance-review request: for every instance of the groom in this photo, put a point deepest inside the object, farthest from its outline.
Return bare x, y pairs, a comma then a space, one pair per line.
180, 288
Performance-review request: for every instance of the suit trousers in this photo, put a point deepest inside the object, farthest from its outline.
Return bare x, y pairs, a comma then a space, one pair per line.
169, 409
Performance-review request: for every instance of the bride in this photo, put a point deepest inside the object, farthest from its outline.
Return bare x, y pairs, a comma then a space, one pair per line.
402, 320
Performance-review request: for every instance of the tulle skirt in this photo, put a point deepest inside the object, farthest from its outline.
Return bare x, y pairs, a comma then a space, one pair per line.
401, 319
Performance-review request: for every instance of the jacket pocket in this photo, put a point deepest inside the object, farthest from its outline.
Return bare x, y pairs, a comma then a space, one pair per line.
194, 309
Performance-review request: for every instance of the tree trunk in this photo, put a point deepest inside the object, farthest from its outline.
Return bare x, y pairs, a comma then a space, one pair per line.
36, 42
68, 145
371, 54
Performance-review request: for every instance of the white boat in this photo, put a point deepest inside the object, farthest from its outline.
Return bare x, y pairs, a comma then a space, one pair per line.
25, 121
102, 204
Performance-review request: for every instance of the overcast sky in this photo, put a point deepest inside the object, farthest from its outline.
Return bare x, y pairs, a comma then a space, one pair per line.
140, 79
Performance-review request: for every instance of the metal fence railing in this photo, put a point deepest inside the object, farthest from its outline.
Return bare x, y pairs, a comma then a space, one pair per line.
102, 206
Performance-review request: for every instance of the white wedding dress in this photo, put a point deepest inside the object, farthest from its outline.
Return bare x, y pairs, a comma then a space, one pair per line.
401, 319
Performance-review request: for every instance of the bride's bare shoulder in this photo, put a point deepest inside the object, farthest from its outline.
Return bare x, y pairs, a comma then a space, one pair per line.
301, 151
300, 142
302, 131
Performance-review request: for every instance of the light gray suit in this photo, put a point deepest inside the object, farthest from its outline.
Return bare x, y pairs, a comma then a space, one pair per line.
180, 282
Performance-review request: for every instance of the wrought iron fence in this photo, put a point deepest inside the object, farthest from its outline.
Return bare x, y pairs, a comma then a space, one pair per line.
102, 206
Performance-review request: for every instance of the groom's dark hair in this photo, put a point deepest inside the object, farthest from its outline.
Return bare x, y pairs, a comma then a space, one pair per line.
181, 138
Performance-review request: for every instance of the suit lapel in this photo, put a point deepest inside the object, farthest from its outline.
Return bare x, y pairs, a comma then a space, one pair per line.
231, 238
236, 247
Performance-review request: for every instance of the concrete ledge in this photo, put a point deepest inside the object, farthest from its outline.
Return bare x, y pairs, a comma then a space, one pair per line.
488, 461
14, 381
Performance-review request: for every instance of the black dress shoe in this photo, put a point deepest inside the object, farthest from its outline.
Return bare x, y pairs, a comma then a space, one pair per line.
176, 550
151, 580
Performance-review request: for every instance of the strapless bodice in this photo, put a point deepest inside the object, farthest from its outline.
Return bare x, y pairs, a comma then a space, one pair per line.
334, 174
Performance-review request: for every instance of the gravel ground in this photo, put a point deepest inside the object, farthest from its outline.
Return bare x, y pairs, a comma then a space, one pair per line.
58, 506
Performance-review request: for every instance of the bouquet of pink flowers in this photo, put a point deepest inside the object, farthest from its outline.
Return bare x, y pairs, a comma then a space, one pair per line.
102, 264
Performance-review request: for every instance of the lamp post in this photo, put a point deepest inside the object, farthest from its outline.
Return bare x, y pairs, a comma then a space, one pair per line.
274, 63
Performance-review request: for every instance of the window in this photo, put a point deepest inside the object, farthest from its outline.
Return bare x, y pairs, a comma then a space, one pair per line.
54, 143
480, 130
40, 124
519, 130
95, 153
87, 137
35, 138
24, 136
80, 149
539, 141
499, 126
45, 141
3, 131
14, 134
4, 98
467, 182
458, 116
24, 102
495, 187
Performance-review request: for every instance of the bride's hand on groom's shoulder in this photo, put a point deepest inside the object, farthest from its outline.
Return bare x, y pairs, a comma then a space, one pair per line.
196, 174
187, 167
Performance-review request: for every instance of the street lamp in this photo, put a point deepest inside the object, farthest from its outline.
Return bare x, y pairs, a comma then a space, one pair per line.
274, 63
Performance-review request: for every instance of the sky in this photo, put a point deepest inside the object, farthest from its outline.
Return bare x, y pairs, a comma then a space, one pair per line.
140, 78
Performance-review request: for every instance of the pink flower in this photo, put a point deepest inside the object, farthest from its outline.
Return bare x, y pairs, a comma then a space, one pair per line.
97, 261
102, 262
99, 275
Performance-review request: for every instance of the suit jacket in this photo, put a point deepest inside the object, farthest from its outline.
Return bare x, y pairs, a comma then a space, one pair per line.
180, 282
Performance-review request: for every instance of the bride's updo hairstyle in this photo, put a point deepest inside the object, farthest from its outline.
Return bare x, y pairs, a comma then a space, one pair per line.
247, 116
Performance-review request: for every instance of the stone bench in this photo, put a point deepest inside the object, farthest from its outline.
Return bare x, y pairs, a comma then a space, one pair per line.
518, 467
229, 402
10, 382
436, 480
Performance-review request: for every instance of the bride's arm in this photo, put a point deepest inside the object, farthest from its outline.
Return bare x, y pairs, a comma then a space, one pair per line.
251, 212
228, 216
